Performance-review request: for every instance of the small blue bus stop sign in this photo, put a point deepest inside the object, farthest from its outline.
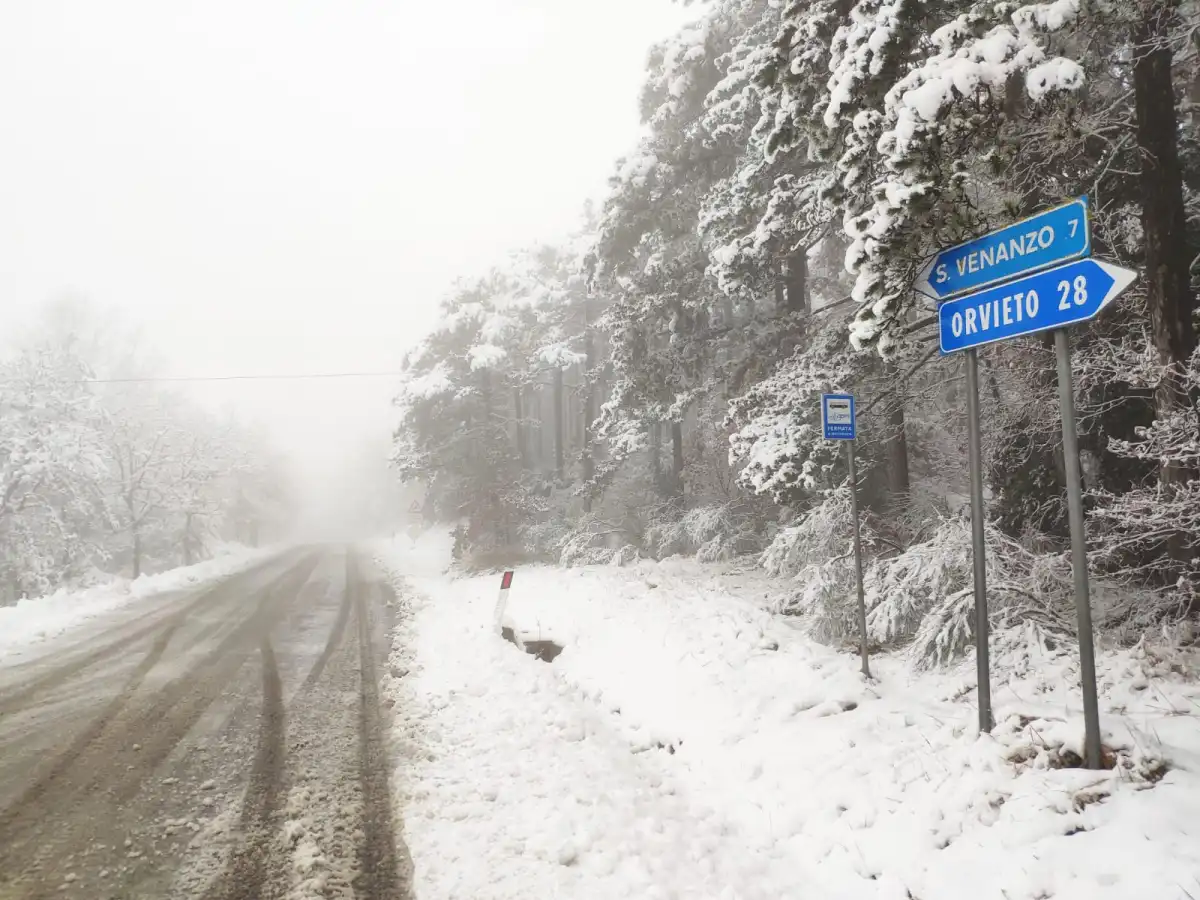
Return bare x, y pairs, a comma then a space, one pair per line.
838, 424
837, 417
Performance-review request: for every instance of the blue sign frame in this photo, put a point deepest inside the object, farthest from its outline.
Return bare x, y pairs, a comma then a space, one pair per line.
1063, 296
834, 426
1046, 239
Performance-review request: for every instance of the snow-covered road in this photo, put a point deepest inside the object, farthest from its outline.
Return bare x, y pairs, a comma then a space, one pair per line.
223, 741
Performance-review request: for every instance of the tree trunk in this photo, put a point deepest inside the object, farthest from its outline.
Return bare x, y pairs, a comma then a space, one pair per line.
1168, 291
536, 437
655, 454
485, 394
187, 539
558, 421
677, 459
518, 408
599, 448
897, 445
589, 413
571, 412
780, 292
137, 552
796, 281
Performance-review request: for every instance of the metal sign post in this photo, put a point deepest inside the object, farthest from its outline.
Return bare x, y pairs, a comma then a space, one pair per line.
858, 563
1083, 604
983, 671
838, 423
1015, 294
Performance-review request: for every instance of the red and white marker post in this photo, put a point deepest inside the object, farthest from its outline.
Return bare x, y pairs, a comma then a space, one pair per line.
505, 584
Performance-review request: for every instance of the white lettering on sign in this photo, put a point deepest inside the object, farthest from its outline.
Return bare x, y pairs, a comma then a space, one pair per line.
1008, 310
1080, 294
978, 260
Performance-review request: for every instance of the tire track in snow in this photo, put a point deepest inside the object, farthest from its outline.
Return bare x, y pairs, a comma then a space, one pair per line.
322, 829
94, 793
108, 821
335, 641
181, 704
44, 783
379, 872
64, 671
248, 868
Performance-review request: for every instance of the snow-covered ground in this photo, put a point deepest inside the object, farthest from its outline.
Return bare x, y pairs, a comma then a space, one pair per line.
29, 622
686, 744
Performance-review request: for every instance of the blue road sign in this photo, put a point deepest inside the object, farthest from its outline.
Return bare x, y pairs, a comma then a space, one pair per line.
837, 417
1046, 239
1071, 293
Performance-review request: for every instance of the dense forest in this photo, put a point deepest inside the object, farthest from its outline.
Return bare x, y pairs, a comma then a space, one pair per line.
104, 471
651, 386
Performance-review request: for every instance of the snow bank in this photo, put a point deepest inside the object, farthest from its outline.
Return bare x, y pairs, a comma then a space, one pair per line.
32, 621
687, 744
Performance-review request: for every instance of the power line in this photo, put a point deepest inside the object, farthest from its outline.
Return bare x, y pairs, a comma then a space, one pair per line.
282, 377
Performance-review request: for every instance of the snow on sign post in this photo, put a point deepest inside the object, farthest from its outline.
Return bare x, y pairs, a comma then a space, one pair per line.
838, 423
1021, 286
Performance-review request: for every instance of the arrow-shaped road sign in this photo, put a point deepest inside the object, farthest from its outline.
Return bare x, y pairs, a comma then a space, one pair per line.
1046, 239
1072, 293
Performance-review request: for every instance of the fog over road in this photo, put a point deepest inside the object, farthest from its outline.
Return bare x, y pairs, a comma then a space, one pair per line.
225, 742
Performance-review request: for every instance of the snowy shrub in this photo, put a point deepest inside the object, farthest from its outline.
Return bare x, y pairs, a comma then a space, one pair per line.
545, 539
821, 534
926, 593
584, 546
626, 555
946, 631
710, 533
1128, 612
1023, 649
828, 597
902, 590
817, 551
1152, 533
666, 535
775, 433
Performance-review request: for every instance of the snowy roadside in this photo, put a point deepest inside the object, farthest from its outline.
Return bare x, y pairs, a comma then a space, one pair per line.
686, 743
32, 621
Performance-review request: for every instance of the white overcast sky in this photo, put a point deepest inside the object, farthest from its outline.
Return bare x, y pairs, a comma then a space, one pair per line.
289, 185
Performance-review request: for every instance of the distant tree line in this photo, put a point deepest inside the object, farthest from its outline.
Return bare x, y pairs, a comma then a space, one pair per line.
115, 477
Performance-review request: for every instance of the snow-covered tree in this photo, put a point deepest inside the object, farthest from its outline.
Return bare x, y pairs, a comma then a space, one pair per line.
100, 476
52, 471
800, 161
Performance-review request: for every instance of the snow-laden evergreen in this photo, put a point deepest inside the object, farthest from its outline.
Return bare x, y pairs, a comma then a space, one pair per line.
651, 387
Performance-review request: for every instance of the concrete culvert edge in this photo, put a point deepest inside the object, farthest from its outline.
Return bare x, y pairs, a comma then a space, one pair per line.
546, 651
